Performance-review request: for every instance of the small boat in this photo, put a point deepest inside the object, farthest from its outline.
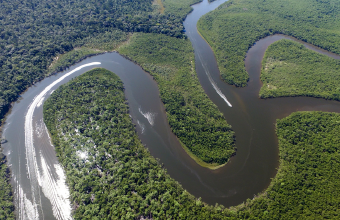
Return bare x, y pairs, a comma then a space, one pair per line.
3, 140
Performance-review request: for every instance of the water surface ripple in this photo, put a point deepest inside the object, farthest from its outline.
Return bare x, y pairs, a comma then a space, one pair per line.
39, 181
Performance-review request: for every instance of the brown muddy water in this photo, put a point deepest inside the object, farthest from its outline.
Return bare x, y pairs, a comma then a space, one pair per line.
39, 181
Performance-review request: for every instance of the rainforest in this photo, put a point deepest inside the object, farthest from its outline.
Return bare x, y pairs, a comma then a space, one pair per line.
238, 24
111, 175
193, 118
74, 147
308, 73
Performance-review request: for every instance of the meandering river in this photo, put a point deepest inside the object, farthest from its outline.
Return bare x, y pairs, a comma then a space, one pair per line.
39, 185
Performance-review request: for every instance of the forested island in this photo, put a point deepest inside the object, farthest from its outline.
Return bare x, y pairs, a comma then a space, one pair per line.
41, 38
109, 172
30, 52
112, 175
193, 117
34, 34
236, 25
290, 69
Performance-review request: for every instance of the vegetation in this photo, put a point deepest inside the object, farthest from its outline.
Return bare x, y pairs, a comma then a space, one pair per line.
109, 172
6, 198
290, 69
112, 175
192, 116
42, 37
179, 8
63, 61
34, 34
236, 25
91, 45
307, 183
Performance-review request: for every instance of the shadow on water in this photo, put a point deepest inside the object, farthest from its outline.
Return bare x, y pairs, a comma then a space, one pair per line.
253, 120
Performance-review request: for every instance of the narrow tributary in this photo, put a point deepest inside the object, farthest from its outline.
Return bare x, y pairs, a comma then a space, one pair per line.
252, 119
39, 181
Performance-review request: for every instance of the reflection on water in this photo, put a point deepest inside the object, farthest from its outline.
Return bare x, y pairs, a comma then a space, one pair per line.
252, 119
39, 183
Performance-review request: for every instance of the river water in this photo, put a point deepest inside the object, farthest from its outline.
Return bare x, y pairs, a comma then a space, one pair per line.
39, 185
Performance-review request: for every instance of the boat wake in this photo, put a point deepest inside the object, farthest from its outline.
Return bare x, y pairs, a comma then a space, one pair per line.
149, 116
50, 179
141, 125
27, 210
55, 189
206, 70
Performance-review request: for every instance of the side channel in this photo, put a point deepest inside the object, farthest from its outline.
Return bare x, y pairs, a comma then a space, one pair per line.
253, 120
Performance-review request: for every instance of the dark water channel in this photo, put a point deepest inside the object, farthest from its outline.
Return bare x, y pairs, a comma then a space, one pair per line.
252, 119
38, 180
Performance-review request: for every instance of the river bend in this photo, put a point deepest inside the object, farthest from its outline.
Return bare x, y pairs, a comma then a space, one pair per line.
39, 185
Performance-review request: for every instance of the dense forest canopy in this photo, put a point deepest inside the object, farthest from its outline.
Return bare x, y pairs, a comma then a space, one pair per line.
112, 175
237, 24
38, 38
306, 185
109, 172
290, 69
33, 33
192, 116
6, 191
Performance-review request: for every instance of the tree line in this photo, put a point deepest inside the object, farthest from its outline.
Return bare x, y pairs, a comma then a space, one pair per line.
32, 34
236, 25
192, 116
6, 191
109, 172
290, 69
111, 175
43, 37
